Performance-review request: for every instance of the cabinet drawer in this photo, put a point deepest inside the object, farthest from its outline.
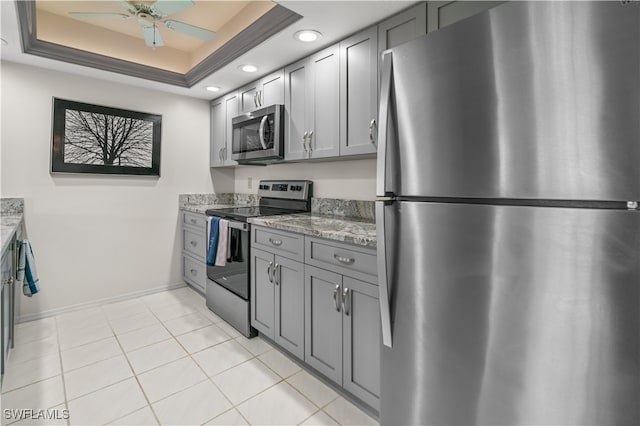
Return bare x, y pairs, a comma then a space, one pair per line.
285, 244
194, 219
194, 243
194, 272
343, 258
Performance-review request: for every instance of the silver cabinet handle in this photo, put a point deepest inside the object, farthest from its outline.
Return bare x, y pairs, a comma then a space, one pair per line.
224, 153
261, 131
193, 243
260, 98
310, 141
275, 242
8, 281
255, 99
304, 141
220, 154
277, 270
345, 260
270, 272
373, 125
345, 301
193, 221
383, 280
194, 272
335, 297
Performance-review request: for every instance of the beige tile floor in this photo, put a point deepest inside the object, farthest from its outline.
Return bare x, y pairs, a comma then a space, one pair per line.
160, 359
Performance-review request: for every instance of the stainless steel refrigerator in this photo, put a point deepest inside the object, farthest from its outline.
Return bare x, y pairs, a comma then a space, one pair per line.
508, 220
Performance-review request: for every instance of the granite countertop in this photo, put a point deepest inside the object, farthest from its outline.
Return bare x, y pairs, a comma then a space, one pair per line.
9, 224
354, 231
202, 208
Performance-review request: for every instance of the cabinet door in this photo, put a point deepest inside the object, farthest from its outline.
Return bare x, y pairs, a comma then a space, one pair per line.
218, 132
289, 309
248, 97
403, 27
361, 340
295, 104
262, 293
443, 13
271, 89
359, 93
231, 110
323, 322
323, 114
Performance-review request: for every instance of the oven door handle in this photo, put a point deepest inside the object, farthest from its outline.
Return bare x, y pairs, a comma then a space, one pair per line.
261, 131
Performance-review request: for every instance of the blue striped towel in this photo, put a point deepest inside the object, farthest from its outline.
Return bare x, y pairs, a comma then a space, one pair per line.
213, 231
27, 269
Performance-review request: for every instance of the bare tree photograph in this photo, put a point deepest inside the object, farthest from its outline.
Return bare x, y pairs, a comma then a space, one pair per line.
94, 139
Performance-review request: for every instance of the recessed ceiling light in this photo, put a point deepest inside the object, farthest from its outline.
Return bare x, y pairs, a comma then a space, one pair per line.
212, 88
307, 36
248, 68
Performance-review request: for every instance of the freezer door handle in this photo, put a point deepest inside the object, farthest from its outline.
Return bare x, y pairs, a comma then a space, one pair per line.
383, 280
383, 119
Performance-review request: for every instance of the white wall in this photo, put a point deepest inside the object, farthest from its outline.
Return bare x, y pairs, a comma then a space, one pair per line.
98, 237
352, 179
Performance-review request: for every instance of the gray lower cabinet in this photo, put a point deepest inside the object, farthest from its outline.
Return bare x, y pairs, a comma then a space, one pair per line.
443, 13
194, 250
277, 297
7, 301
342, 331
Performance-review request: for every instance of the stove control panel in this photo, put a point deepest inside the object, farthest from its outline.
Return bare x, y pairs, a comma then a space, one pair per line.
288, 189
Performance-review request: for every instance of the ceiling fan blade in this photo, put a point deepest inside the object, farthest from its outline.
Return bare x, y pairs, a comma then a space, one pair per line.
168, 7
128, 6
152, 36
191, 30
98, 15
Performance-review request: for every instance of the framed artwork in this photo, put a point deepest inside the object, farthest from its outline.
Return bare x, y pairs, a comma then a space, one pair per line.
97, 139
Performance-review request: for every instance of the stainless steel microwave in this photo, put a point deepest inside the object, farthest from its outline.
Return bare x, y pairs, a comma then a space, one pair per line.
258, 136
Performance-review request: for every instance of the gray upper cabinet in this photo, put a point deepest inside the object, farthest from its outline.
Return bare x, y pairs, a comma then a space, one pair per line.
358, 93
222, 112
443, 13
403, 27
312, 104
267, 91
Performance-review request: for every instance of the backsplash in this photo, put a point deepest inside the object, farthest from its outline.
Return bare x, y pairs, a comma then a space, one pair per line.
352, 209
11, 205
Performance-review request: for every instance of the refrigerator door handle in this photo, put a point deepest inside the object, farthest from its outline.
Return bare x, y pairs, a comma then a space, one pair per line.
383, 120
383, 280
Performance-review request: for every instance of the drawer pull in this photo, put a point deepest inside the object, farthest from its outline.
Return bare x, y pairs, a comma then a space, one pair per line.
275, 242
345, 260
193, 243
194, 272
193, 221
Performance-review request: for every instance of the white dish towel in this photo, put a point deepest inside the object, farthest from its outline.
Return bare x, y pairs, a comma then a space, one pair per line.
223, 242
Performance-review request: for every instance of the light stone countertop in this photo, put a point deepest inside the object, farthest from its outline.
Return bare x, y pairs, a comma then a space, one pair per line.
9, 224
202, 208
362, 233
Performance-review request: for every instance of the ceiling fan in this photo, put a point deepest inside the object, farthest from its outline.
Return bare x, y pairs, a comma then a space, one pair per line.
150, 15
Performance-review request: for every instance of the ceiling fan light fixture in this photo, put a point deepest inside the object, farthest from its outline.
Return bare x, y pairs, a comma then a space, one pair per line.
248, 68
307, 36
212, 88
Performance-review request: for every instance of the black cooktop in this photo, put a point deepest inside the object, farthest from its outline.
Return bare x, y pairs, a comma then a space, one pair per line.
243, 213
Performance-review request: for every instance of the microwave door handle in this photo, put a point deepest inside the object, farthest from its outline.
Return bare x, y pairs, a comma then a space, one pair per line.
261, 131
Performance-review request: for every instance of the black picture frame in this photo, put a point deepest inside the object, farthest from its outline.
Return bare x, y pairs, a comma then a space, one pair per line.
97, 139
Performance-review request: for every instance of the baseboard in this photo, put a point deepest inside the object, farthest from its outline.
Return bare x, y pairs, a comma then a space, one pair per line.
80, 306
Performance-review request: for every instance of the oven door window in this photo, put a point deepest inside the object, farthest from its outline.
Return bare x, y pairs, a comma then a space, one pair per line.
256, 134
235, 275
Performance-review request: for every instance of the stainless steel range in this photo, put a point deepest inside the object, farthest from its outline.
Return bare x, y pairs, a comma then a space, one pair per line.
229, 249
